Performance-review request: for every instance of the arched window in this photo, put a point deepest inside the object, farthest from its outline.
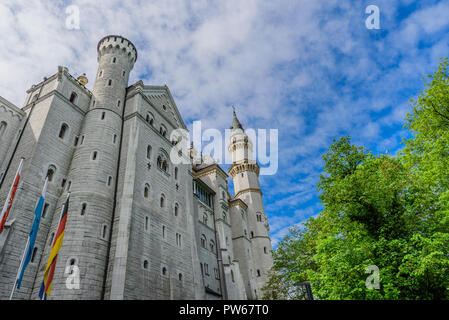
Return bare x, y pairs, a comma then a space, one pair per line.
33, 255
3, 126
45, 211
150, 118
114, 60
148, 152
146, 191
104, 231
225, 217
145, 264
147, 223
176, 173
164, 271
176, 210
110, 82
203, 241
205, 218
212, 246
51, 239
252, 234
51, 172
83, 209
162, 162
162, 202
265, 250
71, 262
258, 272
94, 155
180, 277
73, 97
63, 130
163, 131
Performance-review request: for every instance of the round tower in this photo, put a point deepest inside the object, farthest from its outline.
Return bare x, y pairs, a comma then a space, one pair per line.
245, 175
93, 174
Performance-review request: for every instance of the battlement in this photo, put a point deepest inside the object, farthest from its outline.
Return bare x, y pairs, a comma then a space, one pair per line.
119, 43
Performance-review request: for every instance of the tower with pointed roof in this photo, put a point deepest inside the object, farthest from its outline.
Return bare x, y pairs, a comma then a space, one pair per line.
244, 172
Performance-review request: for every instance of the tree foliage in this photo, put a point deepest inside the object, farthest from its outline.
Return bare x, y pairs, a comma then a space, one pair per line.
391, 212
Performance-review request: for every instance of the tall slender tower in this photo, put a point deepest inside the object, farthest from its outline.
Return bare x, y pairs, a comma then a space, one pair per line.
245, 175
93, 174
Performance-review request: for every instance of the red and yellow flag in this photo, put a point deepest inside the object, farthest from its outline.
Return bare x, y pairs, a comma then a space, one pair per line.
57, 244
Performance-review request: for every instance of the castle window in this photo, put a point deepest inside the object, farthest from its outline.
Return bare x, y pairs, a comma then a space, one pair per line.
109, 180
205, 218
252, 234
163, 232
110, 82
145, 264
82, 140
118, 104
75, 142
246, 233
83, 209
114, 60
71, 264
258, 272
114, 139
104, 232
164, 271
180, 277
176, 210
103, 114
225, 217
203, 241
265, 250
178, 239
212, 245
100, 74
162, 202
232, 276
176, 173
50, 243
73, 97
147, 223
33, 255
3, 126
163, 131
206, 269
148, 152
201, 266
259, 217
149, 118
94, 155
44, 212
51, 172
63, 130
146, 191
124, 73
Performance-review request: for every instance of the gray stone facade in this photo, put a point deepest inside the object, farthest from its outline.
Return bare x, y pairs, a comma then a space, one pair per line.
139, 226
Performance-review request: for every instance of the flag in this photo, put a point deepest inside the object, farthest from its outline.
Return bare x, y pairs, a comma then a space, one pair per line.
8, 202
32, 235
57, 244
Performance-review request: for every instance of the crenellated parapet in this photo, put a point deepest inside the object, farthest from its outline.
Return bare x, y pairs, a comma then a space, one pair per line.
118, 45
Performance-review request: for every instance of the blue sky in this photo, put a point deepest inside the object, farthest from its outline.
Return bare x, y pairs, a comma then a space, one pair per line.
309, 68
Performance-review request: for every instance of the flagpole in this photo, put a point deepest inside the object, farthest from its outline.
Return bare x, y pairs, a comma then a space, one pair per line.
5, 206
44, 296
28, 243
20, 268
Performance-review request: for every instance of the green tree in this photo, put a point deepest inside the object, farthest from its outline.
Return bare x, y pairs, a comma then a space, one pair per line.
390, 212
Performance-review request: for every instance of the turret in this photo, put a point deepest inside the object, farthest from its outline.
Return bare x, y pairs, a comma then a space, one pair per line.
245, 175
93, 173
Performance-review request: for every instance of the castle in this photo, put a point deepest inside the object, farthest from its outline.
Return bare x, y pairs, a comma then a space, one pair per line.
139, 226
